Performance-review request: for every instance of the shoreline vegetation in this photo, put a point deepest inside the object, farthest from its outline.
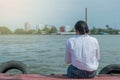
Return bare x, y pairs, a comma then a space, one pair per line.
53, 31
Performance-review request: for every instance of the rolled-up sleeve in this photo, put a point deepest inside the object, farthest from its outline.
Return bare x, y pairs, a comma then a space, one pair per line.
67, 53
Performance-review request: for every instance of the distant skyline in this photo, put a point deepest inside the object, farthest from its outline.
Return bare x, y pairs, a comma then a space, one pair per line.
14, 13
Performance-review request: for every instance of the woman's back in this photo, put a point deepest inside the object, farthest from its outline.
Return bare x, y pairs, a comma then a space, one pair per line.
83, 50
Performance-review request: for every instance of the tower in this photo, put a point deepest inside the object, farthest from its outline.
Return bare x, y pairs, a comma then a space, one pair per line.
27, 26
86, 15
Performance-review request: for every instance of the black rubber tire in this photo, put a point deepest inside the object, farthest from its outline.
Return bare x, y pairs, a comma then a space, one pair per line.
109, 69
13, 65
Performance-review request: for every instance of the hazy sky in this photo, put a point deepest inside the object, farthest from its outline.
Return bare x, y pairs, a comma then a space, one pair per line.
14, 13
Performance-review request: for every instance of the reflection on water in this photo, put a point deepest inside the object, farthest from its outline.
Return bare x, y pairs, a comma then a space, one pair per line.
44, 54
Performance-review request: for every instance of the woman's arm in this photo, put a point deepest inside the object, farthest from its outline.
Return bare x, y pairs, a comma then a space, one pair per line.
68, 54
98, 51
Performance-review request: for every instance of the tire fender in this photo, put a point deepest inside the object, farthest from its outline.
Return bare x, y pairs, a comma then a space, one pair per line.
113, 68
13, 65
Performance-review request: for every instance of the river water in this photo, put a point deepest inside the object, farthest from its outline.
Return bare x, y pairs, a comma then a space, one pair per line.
44, 54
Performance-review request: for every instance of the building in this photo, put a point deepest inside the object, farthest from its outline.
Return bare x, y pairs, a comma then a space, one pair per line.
119, 32
41, 26
68, 28
62, 29
27, 26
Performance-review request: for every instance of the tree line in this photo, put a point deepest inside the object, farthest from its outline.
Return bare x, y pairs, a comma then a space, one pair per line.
101, 31
46, 30
53, 30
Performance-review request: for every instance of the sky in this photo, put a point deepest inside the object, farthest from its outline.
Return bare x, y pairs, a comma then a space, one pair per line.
14, 13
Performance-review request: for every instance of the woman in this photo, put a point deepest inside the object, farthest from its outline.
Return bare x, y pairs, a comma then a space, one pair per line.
82, 52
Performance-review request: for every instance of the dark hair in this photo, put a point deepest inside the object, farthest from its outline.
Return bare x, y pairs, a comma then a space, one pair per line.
82, 27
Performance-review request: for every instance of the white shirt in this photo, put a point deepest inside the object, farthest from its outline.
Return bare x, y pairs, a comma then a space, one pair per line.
82, 52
